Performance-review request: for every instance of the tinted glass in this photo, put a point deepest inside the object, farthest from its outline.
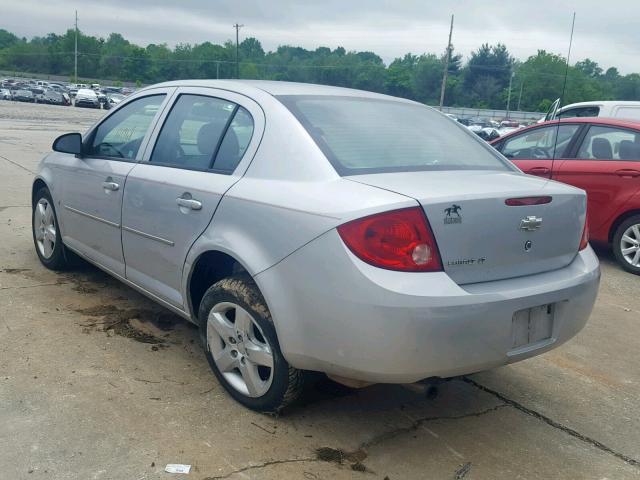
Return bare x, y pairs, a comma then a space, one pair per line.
192, 132
580, 112
235, 141
609, 143
539, 143
121, 134
362, 135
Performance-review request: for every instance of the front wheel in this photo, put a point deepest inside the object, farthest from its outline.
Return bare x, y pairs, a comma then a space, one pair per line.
626, 244
46, 233
242, 347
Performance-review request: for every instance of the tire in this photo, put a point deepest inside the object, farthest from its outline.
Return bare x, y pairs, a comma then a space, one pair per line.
223, 312
627, 237
51, 254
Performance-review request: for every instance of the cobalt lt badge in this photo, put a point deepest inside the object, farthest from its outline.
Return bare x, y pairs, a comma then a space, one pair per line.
450, 211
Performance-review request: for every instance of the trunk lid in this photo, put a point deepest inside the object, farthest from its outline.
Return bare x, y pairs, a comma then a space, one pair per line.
479, 236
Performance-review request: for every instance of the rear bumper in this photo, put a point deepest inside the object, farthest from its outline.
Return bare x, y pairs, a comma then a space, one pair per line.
336, 314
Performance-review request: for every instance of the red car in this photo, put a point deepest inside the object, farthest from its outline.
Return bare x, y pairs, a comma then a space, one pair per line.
599, 155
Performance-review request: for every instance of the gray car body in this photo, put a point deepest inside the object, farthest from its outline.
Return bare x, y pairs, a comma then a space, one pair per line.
277, 214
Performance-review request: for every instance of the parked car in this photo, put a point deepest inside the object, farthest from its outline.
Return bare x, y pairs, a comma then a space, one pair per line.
628, 110
52, 97
286, 222
86, 98
599, 155
38, 93
113, 99
5, 94
24, 95
102, 98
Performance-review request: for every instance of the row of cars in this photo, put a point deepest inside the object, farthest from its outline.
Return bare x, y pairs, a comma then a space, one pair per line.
79, 94
487, 128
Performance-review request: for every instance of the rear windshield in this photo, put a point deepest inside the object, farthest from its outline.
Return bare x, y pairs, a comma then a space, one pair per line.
364, 135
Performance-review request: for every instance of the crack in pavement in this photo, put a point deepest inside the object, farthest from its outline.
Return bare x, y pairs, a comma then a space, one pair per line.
35, 286
4, 207
263, 465
17, 164
383, 437
415, 424
518, 406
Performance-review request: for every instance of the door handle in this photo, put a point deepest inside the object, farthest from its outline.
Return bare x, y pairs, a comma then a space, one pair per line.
628, 172
189, 203
110, 185
539, 170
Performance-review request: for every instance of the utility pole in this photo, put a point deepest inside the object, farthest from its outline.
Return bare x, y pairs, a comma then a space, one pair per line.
75, 62
446, 66
237, 27
509, 94
520, 95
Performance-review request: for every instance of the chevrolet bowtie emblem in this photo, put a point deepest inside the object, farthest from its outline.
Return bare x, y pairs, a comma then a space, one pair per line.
530, 223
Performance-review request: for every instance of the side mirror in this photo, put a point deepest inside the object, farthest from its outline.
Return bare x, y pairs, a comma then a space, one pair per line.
68, 143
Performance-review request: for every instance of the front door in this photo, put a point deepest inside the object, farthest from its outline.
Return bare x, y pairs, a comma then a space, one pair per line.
92, 185
170, 198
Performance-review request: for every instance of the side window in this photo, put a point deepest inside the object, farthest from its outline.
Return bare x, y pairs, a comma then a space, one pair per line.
539, 143
192, 132
121, 134
630, 113
580, 112
235, 142
610, 143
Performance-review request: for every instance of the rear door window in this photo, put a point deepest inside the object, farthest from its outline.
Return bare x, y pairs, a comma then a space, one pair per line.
202, 133
610, 143
580, 112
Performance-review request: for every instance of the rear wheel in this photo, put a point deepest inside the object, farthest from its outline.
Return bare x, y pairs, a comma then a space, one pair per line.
242, 347
626, 244
46, 233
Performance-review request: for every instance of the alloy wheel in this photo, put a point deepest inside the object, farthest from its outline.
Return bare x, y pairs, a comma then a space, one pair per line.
239, 349
630, 245
44, 226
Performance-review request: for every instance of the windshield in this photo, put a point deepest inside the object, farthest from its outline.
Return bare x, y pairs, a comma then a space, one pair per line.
364, 135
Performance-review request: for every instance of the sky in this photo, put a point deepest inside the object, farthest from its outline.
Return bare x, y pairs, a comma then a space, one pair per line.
606, 32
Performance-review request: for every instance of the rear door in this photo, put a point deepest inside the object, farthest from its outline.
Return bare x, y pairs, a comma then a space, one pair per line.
200, 149
607, 166
92, 185
534, 150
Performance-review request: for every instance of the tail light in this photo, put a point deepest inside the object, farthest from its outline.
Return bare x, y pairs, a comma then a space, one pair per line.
397, 240
584, 240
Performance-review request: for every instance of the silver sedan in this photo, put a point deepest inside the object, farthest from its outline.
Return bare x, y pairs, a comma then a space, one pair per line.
313, 228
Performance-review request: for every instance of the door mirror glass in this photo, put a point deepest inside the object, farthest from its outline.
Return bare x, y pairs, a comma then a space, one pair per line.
68, 143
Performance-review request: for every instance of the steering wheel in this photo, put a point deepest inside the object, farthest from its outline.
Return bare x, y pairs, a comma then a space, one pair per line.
539, 153
112, 150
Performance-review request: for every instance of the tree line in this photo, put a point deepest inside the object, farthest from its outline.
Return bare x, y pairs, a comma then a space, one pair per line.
490, 78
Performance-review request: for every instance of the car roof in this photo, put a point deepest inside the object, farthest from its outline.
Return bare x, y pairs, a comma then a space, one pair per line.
613, 122
278, 88
603, 103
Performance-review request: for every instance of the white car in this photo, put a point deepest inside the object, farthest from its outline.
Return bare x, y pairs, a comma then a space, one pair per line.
611, 109
87, 98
